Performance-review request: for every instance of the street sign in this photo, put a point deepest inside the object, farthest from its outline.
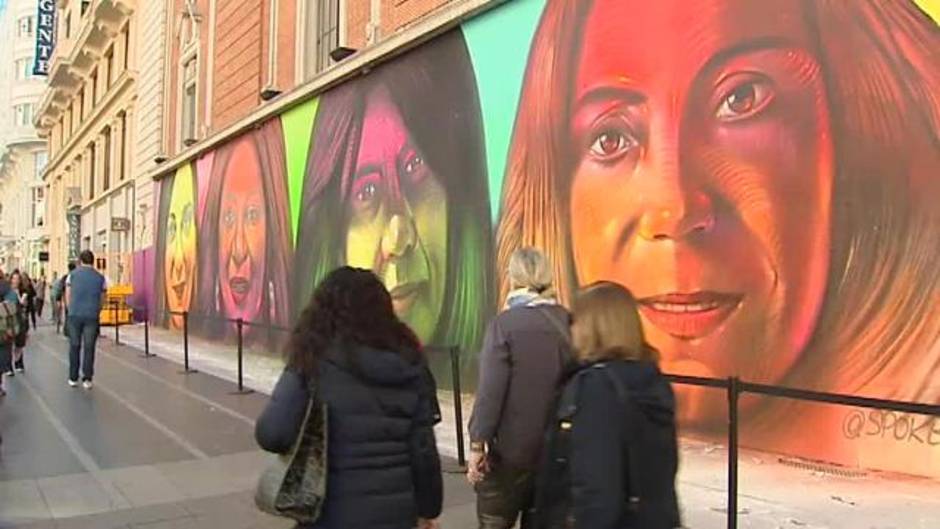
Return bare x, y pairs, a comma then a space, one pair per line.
120, 224
43, 257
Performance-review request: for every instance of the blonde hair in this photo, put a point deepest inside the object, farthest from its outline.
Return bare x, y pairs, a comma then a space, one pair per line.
530, 269
607, 325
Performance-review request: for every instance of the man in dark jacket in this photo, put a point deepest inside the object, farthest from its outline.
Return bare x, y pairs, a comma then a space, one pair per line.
383, 467
525, 351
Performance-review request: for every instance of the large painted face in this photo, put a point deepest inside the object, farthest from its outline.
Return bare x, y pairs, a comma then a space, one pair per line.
702, 174
398, 216
179, 261
242, 235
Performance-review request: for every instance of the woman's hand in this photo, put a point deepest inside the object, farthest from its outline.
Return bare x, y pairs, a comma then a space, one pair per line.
424, 523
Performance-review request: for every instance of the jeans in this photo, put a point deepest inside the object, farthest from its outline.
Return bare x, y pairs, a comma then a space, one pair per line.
83, 334
503, 496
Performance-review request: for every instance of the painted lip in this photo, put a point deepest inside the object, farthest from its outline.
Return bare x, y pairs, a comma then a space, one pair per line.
180, 290
404, 295
689, 316
239, 287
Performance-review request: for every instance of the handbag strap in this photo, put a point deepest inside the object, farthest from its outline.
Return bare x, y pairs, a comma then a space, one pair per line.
563, 330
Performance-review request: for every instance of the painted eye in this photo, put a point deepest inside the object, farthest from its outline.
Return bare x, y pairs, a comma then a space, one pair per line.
367, 192
745, 100
187, 218
171, 227
413, 164
253, 215
228, 218
611, 144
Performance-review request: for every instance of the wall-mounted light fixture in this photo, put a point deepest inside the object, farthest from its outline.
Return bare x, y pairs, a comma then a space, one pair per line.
340, 53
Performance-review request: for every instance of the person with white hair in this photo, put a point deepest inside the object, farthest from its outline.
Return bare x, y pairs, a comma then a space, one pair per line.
525, 352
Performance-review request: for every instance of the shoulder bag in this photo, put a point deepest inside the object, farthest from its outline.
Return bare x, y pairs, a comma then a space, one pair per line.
294, 485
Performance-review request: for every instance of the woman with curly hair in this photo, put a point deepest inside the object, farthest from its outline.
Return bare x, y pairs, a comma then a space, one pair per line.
383, 470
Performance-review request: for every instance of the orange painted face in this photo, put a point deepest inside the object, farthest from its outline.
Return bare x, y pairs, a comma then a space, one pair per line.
702, 176
242, 235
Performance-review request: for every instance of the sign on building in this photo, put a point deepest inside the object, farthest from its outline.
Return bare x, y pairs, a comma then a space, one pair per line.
74, 218
45, 36
120, 224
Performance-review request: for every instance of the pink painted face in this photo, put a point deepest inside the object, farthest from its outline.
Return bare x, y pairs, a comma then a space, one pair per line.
242, 235
702, 177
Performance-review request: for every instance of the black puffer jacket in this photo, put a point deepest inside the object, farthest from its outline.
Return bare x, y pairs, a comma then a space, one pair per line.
612, 453
384, 469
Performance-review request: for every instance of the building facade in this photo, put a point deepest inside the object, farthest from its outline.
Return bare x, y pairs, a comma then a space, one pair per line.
100, 129
23, 154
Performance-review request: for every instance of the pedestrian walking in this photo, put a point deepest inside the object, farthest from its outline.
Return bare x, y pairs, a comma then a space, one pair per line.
350, 353
41, 287
9, 328
525, 352
29, 305
18, 283
58, 295
611, 456
85, 289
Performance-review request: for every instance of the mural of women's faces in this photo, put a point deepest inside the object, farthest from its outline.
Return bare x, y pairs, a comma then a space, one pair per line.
242, 235
694, 159
397, 210
396, 183
179, 251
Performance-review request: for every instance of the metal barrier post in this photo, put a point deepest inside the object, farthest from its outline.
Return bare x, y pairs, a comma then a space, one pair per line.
458, 405
240, 326
117, 324
186, 369
147, 353
734, 392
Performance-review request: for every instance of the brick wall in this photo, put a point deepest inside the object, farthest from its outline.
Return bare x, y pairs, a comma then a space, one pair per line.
397, 14
237, 73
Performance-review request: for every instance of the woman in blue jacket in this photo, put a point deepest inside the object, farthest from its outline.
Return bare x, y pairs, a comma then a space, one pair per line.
383, 466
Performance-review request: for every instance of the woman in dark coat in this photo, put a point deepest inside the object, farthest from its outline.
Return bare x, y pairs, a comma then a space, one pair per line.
612, 453
383, 466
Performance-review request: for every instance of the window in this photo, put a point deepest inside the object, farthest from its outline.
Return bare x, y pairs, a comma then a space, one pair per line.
127, 46
80, 101
123, 148
94, 87
24, 68
109, 65
85, 4
40, 160
321, 34
25, 27
188, 128
91, 171
106, 160
23, 115
68, 25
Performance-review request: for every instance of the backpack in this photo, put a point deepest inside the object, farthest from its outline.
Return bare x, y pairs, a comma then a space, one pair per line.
10, 324
644, 508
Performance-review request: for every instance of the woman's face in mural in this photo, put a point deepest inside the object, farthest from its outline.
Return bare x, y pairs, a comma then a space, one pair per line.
242, 235
398, 216
180, 253
702, 173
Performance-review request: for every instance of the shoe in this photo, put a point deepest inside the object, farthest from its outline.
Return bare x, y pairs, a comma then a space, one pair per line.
87, 384
73, 383
21, 370
10, 373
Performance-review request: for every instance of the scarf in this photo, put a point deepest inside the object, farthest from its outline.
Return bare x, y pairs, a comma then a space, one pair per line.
524, 297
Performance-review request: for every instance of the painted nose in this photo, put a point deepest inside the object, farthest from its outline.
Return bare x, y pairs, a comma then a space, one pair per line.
399, 237
678, 216
239, 245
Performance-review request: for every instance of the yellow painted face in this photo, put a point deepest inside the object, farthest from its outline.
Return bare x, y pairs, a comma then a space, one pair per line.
179, 261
